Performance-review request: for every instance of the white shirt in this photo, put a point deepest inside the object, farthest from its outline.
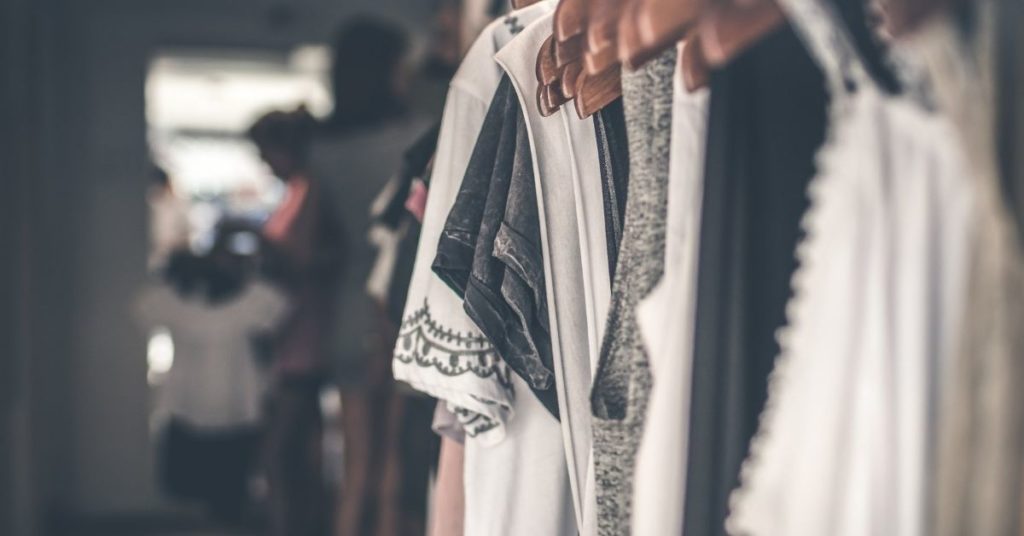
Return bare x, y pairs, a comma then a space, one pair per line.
515, 475
215, 380
845, 438
666, 318
571, 210
440, 350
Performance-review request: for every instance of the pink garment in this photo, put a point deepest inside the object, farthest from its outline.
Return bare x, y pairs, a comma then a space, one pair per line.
449, 508
294, 228
282, 221
416, 203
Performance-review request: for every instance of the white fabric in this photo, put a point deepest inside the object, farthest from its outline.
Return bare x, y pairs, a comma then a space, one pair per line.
844, 438
571, 210
215, 380
515, 474
583, 166
978, 457
666, 319
519, 487
387, 241
440, 351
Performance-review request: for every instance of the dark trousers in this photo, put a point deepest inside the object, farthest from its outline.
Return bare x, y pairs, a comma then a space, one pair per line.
294, 459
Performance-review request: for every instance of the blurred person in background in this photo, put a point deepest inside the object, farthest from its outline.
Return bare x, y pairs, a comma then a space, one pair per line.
168, 220
209, 400
303, 253
358, 148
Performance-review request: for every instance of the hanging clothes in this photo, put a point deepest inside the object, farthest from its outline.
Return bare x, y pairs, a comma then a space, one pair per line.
846, 436
613, 157
766, 121
440, 350
573, 242
489, 251
665, 318
401, 206
621, 385
515, 474
978, 467
475, 259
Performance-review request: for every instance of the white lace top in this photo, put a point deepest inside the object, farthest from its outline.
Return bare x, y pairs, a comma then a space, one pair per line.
845, 435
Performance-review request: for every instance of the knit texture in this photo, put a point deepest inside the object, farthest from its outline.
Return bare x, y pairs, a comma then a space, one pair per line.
623, 380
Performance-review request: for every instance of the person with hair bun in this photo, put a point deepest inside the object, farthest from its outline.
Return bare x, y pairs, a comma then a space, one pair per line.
303, 251
356, 153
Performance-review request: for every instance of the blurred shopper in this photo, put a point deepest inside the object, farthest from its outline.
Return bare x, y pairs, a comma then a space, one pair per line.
168, 220
210, 399
303, 251
360, 147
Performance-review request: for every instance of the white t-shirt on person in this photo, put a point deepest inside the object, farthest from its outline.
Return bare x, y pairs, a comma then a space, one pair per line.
215, 380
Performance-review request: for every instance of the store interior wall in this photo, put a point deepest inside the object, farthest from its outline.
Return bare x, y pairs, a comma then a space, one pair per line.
74, 438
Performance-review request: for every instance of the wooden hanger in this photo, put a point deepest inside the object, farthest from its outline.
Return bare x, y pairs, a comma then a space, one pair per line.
662, 23
601, 60
632, 51
563, 59
601, 83
520, 4
568, 51
603, 24
727, 30
554, 97
570, 19
547, 68
647, 27
543, 105
594, 92
570, 76
695, 70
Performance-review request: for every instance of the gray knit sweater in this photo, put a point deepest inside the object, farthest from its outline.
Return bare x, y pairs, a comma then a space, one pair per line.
622, 383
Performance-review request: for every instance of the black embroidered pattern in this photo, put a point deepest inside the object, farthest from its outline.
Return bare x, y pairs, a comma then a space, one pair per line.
513, 24
422, 341
474, 423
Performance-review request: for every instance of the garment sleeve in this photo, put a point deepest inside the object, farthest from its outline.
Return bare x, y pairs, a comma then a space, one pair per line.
455, 249
503, 312
439, 350
446, 424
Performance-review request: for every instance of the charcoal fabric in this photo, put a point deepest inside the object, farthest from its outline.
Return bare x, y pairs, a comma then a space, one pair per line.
766, 122
622, 382
573, 241
613, 158
489, 251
